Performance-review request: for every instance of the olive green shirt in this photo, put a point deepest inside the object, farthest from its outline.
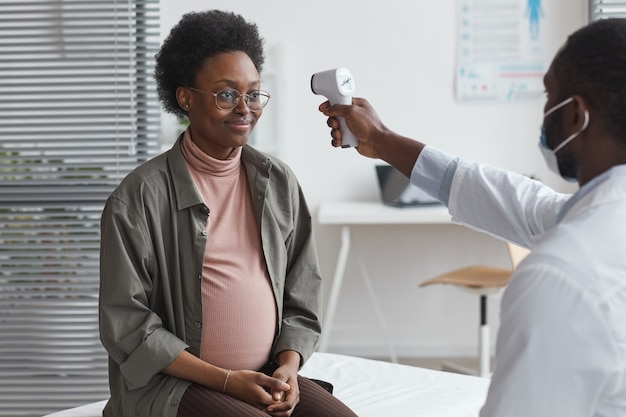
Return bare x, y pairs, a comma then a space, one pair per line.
152, 247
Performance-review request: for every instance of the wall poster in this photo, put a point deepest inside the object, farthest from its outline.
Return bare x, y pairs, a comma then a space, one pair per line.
499, 50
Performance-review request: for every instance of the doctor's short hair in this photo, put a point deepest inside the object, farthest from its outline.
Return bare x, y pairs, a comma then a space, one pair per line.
592, 64
196, 37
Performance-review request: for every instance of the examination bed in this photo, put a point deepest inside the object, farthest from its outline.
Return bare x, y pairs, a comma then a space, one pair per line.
378, 389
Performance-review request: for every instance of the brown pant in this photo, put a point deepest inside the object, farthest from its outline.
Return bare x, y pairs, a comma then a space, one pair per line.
315, 401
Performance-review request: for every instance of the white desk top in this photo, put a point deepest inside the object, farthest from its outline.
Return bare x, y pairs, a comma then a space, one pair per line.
374, 212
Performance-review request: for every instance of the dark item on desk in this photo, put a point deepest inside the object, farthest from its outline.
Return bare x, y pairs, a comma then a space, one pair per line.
396, 189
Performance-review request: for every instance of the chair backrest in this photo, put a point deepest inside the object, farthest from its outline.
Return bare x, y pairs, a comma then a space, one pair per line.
516, 253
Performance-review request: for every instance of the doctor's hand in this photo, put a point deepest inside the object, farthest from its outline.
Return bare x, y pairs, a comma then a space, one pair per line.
375, 139
363, 122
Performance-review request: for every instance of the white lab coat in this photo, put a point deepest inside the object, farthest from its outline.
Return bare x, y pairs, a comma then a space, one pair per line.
561, 346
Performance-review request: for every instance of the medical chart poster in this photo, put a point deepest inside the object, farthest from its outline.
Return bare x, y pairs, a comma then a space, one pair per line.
499, 50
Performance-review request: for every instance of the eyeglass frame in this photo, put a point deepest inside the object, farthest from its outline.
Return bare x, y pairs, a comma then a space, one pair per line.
237, 100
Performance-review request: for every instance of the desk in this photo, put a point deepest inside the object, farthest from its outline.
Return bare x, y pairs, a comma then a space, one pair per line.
353, 213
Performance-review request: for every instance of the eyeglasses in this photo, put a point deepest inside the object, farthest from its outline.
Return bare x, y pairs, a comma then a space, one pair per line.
228, 99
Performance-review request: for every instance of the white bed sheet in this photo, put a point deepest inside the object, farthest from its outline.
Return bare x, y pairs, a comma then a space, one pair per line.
378, 389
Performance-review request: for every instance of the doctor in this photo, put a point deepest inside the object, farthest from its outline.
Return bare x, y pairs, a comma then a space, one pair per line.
561, 347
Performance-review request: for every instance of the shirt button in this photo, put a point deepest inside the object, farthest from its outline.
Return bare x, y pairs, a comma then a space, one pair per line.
198, 325
204, 233
199, 276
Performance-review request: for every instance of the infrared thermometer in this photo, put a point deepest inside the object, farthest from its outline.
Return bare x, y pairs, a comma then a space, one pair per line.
337, 85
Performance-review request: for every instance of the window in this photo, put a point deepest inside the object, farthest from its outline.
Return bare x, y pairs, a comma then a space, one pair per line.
600, 9
78, 112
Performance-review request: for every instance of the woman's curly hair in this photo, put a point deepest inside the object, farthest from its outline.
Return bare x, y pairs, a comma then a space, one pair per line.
196, 37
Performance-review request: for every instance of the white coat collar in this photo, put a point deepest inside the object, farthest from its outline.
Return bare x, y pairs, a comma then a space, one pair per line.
605, 188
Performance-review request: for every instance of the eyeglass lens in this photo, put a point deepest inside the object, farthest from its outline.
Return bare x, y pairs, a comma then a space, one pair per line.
228, 99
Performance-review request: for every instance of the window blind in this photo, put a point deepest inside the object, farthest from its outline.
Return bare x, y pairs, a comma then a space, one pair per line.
601, 9
78, 112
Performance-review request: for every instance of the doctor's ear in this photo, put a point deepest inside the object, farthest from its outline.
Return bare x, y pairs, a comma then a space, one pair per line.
580, 112
581, 107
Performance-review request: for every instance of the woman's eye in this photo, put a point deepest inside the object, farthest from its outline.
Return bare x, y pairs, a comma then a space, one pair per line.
227, 95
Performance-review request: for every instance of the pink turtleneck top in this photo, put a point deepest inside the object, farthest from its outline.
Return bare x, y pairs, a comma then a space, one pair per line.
238, 305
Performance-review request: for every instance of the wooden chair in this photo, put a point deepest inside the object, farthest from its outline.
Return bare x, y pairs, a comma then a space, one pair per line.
482, 280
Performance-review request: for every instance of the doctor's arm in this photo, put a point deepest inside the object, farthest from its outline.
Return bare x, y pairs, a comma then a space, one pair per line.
504, 204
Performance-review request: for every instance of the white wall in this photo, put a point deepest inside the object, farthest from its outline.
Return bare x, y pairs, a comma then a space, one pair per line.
402, 56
